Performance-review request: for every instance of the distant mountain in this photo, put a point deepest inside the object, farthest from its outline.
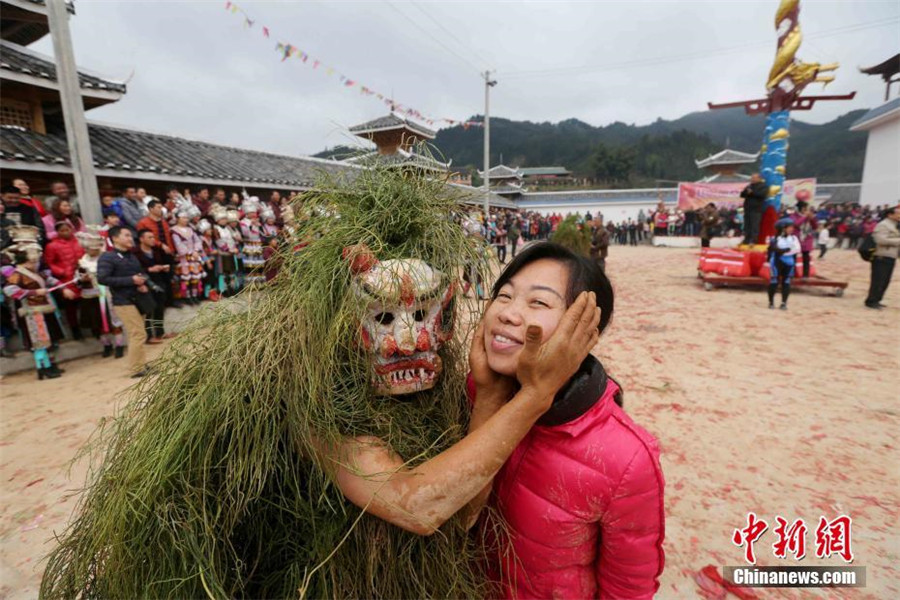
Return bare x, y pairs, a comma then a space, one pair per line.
622, 155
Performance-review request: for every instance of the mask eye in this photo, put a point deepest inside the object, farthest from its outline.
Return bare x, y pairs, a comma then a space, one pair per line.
419, 315
447, 315
385, 318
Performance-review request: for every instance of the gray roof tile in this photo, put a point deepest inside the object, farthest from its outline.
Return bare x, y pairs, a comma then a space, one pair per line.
133, 151
18, 59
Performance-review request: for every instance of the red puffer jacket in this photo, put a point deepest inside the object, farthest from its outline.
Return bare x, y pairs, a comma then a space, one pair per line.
62, 258
583, 504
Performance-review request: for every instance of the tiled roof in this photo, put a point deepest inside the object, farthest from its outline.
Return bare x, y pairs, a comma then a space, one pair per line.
401, 158
139, 152
502, 172
532, 171
475, 196
838, 193
723, 178
886, 69
392, 121
18, 59
876, 113
727, 157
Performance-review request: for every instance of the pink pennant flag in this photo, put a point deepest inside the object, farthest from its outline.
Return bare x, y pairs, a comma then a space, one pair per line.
315, 64
227, 5
330, 71
234, 8
266, 31
349, 83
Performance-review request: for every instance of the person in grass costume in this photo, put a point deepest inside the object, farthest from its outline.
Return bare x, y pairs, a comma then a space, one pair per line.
312, 438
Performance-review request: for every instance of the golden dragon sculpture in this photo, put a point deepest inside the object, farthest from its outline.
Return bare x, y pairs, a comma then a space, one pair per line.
788, 68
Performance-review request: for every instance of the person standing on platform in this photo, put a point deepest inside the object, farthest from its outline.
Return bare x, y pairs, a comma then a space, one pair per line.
887, 250
754, 196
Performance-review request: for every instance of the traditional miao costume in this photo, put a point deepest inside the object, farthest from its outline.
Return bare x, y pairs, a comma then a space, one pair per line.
252, 235
188, 254
210, 262
37, 317
97, 311
228, 252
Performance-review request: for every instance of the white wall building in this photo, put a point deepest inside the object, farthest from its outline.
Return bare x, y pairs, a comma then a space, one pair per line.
881, 170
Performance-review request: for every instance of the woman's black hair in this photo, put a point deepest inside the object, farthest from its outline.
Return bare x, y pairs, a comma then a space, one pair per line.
585, 275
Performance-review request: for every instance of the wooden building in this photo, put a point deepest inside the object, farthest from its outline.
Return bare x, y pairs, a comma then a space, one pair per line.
723, 166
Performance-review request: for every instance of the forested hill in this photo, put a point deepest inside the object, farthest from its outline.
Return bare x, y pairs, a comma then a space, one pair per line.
622, 155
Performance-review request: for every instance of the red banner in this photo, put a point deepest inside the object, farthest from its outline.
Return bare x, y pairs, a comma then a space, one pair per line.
694, 196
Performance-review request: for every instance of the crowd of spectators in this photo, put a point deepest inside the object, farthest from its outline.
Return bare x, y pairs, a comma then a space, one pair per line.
193, 246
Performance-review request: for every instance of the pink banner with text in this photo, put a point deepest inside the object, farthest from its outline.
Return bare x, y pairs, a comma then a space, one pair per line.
694, 196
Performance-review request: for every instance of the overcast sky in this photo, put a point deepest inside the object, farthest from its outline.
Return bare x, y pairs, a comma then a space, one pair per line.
195, 70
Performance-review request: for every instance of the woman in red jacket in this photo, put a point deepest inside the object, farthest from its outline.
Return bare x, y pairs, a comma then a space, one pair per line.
62, 256
582, 494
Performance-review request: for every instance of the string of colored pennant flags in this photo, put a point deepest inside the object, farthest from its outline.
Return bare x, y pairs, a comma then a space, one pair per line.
290, 51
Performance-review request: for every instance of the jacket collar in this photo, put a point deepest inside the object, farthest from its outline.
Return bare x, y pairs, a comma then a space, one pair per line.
577, 397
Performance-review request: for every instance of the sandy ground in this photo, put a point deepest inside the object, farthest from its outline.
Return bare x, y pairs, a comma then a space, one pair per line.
781, 413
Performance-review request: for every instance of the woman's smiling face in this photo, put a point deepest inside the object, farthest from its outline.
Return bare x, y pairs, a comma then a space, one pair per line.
536, 295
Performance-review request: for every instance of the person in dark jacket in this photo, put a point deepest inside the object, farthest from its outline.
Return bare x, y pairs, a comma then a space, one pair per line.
157, 264
20, 213
121, 271
754, 196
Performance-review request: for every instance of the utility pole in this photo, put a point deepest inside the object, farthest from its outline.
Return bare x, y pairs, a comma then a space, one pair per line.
80, 155
488, 84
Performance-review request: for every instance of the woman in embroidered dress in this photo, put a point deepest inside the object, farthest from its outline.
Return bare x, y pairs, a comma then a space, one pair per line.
30, 290
188, 252
98, 314
252, 234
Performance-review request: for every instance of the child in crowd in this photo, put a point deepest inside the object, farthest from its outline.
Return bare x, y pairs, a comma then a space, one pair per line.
822, 240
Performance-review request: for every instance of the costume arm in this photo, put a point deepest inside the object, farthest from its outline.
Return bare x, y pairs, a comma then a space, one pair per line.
632, 529
483, 409
420, 499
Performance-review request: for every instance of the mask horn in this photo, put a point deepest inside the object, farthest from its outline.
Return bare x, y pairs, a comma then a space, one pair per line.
360, 258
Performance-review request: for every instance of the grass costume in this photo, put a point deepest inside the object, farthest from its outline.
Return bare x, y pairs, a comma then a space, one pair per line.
210, 485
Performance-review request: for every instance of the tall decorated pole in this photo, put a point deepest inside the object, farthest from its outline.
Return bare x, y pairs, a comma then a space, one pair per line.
787, 79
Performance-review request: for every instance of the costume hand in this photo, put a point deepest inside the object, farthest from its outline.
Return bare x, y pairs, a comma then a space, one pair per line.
545, 368
487, 381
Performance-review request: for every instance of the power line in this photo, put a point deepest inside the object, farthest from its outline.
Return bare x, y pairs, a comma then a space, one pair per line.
706, 53
448, 32
442, 44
